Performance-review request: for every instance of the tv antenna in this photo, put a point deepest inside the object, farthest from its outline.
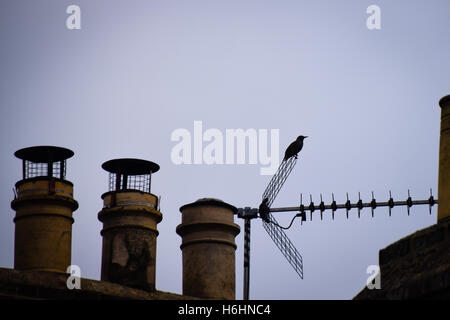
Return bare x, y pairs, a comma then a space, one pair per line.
270, 224
276, 231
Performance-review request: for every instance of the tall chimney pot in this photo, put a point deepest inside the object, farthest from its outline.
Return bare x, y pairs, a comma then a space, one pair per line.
130, 216
44, 205
208, 245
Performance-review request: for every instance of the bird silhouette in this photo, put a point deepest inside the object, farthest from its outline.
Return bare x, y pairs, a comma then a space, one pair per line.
294, 148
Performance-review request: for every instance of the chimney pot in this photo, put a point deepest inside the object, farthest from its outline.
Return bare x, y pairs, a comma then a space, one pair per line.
44, 205
130, 219
208, 245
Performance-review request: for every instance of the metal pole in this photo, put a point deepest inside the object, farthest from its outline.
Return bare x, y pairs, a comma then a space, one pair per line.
118, 176
61, 169
150, 182
50, 169
125, 181
247, 259
24, 171
353, 205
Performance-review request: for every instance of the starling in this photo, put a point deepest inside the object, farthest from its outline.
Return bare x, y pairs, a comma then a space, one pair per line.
294, 148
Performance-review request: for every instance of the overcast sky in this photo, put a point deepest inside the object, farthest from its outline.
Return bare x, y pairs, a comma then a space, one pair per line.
138, 70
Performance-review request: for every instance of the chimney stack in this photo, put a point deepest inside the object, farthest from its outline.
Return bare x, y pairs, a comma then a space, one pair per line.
208, 232
44, 205
444, 161
130, 216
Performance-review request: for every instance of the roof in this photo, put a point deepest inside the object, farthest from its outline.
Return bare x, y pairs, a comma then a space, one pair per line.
17, 284
415, 267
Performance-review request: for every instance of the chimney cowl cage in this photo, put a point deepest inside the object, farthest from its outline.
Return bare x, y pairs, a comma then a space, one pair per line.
130, 174
44, 162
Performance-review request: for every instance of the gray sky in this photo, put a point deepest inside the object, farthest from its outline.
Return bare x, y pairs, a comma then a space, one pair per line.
137, 71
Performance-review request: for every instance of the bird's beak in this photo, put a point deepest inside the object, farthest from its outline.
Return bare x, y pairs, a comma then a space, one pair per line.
306, 136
